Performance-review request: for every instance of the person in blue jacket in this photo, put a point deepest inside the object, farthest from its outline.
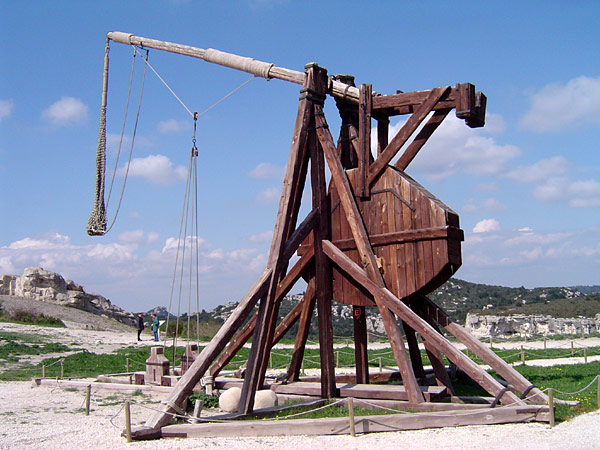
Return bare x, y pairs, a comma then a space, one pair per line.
155, 325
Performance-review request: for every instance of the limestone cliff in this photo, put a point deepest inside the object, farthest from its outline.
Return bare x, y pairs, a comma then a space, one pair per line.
522, 325
45, 286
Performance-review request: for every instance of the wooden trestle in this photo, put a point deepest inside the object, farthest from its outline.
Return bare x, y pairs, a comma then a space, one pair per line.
374, 236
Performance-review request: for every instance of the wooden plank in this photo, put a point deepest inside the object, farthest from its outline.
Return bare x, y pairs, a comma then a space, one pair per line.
374, 391
113, 387
361, 355
475, 372
306, 314
419, 141
363, 424
323, 274
405, 132
414, 351
383, 129
365, 251
407, 102
364, 138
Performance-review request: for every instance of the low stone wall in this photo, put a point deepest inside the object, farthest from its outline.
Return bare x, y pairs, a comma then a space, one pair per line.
484, 326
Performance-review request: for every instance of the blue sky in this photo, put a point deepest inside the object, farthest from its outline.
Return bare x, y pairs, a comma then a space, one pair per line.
526, 187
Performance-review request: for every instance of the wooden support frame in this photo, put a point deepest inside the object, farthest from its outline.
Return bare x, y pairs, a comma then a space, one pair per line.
375, 247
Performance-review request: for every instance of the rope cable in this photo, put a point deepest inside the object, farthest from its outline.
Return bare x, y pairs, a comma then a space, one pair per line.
137, 117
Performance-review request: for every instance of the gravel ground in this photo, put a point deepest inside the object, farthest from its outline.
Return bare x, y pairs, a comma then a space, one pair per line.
52, 418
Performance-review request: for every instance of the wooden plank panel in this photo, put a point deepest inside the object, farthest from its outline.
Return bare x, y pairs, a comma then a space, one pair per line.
363, 424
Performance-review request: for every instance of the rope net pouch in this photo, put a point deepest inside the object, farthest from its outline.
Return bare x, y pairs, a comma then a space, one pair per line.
96, 225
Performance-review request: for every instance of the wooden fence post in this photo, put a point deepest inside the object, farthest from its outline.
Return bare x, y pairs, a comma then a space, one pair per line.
197, 409
88, 393
380, 366
351, 416
127, 421
337, 355
572, 351
585, 355
544, 342
522, 356
127, 365
551, 406
43, 370
598, 389
62, 368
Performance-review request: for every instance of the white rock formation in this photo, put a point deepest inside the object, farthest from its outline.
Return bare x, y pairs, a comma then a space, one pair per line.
484, 326
45, 286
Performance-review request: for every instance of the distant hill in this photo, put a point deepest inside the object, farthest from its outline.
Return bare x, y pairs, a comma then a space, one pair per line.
457, 298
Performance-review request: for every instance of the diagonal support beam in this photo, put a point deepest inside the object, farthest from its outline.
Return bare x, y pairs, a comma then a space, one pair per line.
187, 382
419, 141
405, 132
503, 369
480, 376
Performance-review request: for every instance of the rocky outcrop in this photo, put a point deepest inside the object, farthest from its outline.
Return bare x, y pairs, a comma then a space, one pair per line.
45, 286
521, 325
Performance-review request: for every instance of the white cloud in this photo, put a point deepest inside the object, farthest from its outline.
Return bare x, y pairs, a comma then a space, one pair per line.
540, 171
171, 126
66, 111
486, 226
578, 194
267, 170
268, 196
6, 108
456, 148
494, 123
265, 236
157, 169
556, 106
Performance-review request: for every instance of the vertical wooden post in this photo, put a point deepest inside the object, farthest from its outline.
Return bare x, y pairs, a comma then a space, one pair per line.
127, 365
380, 366
337, 359
62, 368
598, 390
572, 349
364, 138
43, 370
127, 421
522, 356
88, 393
491, 343
585, 355
270, 360
351, 416
361, 339
551, 406
197, 409
544, 342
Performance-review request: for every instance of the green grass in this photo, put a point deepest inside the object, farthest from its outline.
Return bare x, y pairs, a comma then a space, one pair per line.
29, 318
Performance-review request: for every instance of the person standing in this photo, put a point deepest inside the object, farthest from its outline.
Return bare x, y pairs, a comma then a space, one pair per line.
139, 325
155, 325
